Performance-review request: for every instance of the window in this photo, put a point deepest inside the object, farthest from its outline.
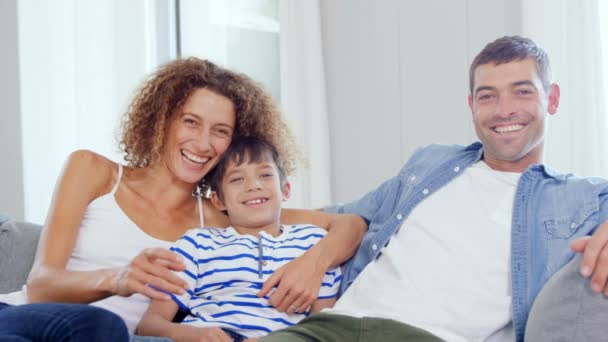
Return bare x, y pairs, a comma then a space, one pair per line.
242, 35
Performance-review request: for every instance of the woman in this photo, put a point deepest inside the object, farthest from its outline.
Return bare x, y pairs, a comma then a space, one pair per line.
105, 236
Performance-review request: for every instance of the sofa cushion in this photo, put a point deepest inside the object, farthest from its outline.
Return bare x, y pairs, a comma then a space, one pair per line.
18, 241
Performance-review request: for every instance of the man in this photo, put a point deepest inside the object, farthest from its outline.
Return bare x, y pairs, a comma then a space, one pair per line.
463, 239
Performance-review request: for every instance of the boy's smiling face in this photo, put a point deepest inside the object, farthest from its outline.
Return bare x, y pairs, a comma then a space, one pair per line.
252, 193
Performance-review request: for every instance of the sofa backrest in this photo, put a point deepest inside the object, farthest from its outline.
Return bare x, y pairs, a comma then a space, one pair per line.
18, 241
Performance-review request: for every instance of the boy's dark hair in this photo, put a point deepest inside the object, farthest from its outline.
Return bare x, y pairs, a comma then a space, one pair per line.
508, 49
245, 150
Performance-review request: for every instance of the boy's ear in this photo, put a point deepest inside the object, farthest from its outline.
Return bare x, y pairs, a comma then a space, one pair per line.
286, 191
217, 203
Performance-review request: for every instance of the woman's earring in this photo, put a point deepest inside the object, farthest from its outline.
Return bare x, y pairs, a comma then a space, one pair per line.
202, 189
197, 191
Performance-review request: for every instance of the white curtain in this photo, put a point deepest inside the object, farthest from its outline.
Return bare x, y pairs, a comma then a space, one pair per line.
79, 64
577, 140
303, 98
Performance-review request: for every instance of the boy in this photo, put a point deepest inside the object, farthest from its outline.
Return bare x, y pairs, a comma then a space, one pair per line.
225, 268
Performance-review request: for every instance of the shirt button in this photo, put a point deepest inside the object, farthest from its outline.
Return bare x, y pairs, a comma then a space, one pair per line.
572, 225
425, 191
399, 217
457, 168
375, 247
413, 178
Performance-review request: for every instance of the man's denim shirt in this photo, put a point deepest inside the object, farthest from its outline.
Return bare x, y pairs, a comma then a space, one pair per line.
550, 210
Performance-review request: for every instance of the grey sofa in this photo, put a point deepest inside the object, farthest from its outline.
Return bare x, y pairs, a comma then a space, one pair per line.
18, 241
565, 310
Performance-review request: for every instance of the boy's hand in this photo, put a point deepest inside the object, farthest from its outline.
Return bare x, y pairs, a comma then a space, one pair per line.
187, 333
213, 335
298, 282
595, 257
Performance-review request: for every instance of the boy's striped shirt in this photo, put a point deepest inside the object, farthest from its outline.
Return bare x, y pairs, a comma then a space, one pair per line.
225, 270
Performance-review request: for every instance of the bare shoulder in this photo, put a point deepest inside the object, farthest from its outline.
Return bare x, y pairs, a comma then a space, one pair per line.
90, 170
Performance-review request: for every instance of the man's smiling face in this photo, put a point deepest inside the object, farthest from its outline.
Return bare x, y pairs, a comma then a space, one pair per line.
509, 107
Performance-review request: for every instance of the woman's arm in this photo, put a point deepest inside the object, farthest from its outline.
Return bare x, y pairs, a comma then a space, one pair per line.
85, 177
299, 281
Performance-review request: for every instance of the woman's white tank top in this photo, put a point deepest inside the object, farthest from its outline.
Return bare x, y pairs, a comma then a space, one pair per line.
108, 238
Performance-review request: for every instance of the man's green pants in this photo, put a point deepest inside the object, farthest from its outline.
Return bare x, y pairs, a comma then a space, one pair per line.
325, 327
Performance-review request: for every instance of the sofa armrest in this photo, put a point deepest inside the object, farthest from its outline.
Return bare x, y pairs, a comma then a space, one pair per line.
567, 310
18, 241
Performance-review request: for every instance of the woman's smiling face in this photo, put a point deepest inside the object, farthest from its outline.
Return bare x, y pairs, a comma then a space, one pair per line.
199, 134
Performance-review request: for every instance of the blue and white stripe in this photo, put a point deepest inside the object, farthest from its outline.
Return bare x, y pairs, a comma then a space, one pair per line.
223, 277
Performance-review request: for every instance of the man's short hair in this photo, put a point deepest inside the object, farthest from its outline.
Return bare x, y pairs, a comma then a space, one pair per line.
246, 150
508, 49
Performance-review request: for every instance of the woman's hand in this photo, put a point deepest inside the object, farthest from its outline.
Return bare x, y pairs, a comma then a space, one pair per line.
150, 273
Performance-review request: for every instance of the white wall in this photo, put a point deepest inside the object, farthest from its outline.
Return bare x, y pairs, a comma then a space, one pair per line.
397, 78
11, 180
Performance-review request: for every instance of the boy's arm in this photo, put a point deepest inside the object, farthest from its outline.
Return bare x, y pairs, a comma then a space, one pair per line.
157, 321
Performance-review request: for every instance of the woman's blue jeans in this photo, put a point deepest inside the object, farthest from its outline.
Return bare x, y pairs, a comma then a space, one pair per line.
60, 322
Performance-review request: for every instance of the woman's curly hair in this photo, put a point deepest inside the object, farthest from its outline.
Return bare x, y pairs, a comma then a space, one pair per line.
162, 96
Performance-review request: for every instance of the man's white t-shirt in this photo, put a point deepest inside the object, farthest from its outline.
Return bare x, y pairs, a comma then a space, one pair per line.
447, 269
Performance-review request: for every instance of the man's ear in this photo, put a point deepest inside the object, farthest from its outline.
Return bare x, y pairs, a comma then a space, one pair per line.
286, 191
217, 203
553, 102
471, 104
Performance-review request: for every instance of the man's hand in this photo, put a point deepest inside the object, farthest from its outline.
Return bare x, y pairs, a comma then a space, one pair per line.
298, 282
595, 257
